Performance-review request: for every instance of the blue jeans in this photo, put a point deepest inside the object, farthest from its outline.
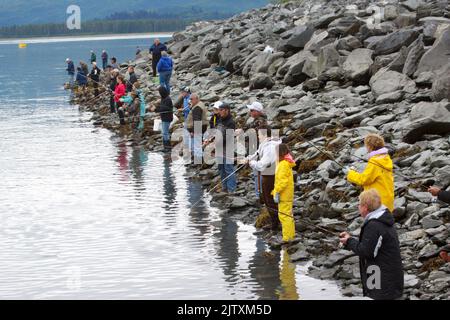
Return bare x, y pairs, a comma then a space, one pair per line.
165, 128
105, 63
226, 171
164, 79
255, 174
197, 146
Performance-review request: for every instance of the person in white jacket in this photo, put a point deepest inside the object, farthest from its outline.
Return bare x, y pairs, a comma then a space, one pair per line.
264, 162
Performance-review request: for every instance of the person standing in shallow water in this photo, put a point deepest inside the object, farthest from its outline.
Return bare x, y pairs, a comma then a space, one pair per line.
225, 148
378, 248
70, 70
165, 109
283, 192
379, 173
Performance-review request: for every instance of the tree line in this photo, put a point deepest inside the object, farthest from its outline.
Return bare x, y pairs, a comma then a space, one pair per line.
121, 22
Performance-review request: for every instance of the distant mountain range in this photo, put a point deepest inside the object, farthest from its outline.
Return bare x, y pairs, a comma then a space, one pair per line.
20, 12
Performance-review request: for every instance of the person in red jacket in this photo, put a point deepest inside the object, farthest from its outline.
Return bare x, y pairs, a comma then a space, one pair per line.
119, 92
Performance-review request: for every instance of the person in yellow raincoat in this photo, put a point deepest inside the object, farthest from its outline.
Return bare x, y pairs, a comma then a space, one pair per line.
379, 172
283, 192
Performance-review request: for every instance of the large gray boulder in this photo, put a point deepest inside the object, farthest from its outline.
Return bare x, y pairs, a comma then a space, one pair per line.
357, 65
427, 118
298, 39
292, 70
416, 51
441, 84
261, 81
438, 55
228, 55
328, 57
393, 42
387, 81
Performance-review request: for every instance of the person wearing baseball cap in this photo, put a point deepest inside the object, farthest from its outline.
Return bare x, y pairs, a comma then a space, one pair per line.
215, 117
70, 70
225, 138
256, 111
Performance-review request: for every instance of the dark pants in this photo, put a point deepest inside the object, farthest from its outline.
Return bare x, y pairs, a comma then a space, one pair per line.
105, 63
155, 60
268, 183
112, 104
121, 112
95, 88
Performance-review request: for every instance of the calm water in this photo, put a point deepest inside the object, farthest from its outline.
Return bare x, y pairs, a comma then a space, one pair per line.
86, 216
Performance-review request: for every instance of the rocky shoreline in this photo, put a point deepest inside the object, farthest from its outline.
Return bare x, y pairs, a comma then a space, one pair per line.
334, 73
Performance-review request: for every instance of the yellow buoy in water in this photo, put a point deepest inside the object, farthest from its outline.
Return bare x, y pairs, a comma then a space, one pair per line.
22, 45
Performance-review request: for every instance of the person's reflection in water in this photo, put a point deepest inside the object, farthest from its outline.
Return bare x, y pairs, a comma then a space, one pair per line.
139, 158
264, 269
170, 190
228, 250
122, 160
288, 289
198, 213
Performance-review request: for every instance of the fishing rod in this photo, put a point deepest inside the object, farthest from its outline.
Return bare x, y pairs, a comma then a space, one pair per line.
368, 161
225, 179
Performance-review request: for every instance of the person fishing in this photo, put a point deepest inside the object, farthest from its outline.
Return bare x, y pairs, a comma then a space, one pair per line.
378, 248
165, 109
264, 162
142, 109
283, 191
119, 92
378, 173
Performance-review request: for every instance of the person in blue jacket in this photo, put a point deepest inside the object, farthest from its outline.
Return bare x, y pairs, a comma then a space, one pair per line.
81, 78
70, 70
165, 67
156, 50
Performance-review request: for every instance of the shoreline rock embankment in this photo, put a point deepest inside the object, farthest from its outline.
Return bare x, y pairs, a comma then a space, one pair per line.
331, 72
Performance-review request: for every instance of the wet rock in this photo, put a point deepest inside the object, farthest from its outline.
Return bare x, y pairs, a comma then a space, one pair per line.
238, 203
428, 118
337, 257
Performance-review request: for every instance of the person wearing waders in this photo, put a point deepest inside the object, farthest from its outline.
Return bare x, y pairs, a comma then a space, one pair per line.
378, 248
443, 196
378, 174
283, 192
264, 162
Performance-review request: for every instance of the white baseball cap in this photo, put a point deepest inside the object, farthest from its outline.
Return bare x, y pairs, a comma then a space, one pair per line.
217, 104
256, 106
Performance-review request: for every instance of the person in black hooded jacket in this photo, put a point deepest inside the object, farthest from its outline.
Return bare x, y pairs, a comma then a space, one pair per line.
378, 249
165, 109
